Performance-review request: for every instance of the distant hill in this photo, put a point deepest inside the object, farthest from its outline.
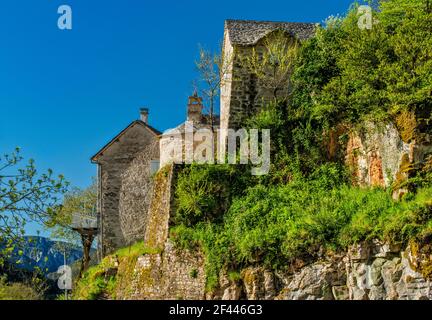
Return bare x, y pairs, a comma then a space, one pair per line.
47, 254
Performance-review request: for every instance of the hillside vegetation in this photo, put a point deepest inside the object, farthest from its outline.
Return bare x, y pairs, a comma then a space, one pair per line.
309, 204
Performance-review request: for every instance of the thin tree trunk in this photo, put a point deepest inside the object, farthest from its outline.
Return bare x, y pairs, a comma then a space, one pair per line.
87, 240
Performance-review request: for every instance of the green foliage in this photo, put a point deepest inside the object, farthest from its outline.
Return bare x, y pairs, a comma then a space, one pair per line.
273, 226
96, 283
17, 291
204, 193
75, 201
25, 196
346, 75
137, 249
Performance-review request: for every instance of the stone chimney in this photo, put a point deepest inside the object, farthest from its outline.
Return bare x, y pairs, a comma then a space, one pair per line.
144, 112
194, 109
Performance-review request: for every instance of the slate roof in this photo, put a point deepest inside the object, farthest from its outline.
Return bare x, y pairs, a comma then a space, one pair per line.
249, 32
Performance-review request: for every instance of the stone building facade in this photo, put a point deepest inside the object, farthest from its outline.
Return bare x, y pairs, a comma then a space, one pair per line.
241, 93
173, 145
126, 166
125, 184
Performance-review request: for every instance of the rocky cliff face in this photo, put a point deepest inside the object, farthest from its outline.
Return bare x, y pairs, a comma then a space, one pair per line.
367, 272
167, 273
381, 155
373, 271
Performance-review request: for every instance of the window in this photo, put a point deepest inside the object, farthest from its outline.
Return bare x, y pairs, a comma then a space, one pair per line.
154, 166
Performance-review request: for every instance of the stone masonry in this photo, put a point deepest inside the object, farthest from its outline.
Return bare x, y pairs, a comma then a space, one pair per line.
124, 185
241, 93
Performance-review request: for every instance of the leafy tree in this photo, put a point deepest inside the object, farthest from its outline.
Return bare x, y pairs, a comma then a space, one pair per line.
272, 64
78, 204
213, 69
25, 196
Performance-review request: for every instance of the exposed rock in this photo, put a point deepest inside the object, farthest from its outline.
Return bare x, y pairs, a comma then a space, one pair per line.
379, 156
315, 282
253, 281
375, 154
233, 292
340, 292
269, 285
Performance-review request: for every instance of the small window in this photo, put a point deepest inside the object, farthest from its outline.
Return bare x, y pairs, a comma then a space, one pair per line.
154, 166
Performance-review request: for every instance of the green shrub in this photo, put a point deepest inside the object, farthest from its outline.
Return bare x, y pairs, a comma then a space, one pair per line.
275, 225
96, 283
204, 192
17, 291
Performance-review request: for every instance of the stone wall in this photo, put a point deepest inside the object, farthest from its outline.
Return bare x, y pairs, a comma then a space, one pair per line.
242, 94
135, 194
168, 273
118, 173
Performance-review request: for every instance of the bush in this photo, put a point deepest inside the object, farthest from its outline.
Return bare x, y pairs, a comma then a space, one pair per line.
275, 225
17, 291
205, 192
95, 282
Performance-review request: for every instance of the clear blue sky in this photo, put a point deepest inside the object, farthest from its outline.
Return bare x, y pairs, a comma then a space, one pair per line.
64, 94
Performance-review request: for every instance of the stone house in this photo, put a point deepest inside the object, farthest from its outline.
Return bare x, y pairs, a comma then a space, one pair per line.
173, 145
125, 169
125, 184
126, 163
241, 93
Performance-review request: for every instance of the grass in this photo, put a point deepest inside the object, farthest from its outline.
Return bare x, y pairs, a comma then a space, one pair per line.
97, 281
17, 291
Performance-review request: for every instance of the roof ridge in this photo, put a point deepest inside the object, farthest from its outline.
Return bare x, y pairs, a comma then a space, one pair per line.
111, 142
268, 21
156, 131
249, 32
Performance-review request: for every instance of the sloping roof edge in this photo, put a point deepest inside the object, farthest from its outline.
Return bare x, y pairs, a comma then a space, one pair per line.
249, 32
94, 158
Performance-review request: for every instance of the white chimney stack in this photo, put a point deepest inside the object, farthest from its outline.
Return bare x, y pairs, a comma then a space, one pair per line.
144, 112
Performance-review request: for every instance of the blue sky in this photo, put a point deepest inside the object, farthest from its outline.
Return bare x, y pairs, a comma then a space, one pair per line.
65, 93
